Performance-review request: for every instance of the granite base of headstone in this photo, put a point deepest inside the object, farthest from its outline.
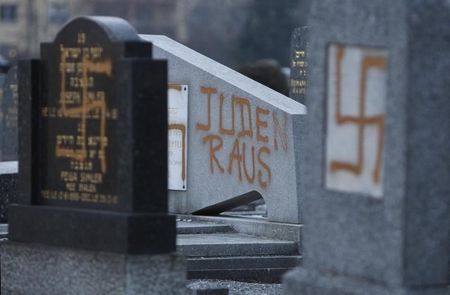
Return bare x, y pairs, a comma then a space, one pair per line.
374, 171
8, 141
8, 191
57, 270
92, 214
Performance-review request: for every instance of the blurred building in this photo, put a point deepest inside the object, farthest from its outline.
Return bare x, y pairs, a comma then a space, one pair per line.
208, 26
26, 23
212, 27
145, 15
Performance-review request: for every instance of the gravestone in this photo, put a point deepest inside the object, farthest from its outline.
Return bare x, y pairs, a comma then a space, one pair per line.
375, 174
299, 64
9, 106
93, 169
238, 139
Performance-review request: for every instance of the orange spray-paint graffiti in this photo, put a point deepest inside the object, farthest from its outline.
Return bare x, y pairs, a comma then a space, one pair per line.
244, 138
361, 120
87, 105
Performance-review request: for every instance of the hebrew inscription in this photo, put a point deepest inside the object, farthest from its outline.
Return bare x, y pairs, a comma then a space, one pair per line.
356, 99
80, 117
299, 67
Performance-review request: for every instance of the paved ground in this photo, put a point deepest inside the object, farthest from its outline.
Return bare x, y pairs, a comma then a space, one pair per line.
239, 288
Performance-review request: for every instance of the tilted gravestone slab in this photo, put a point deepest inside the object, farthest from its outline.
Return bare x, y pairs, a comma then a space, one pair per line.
299, 64
240, 137
93, 115
375, 173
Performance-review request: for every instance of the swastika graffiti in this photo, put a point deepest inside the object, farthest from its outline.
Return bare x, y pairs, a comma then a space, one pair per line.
356, 102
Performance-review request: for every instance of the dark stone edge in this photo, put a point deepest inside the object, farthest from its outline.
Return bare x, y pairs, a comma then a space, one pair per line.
130, 233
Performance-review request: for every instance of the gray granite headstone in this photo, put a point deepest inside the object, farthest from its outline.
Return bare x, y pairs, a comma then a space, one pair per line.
9, 106
299, 64
375, 176
240, 136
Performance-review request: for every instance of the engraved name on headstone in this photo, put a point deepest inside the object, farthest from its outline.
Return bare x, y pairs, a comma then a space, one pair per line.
299, 65
80, 115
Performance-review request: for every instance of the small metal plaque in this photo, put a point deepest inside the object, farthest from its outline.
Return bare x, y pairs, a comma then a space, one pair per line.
178, 123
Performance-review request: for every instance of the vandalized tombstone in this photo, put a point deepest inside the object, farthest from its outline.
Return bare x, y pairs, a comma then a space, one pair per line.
299, 64
375, 174
238, 139
93, 170
8, 141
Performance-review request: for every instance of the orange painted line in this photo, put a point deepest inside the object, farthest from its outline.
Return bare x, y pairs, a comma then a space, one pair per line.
173, 86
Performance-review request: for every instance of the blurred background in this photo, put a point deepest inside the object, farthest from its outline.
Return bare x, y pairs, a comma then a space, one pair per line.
233, 32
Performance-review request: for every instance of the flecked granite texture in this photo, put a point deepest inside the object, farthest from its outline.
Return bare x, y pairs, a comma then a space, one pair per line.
8, 191
42, 270
399, 243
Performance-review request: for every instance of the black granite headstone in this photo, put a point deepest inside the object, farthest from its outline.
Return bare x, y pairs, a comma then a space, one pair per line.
299, 64
93, 142
8, 141
9, 106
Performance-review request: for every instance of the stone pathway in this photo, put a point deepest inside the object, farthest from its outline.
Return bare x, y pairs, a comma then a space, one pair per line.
216, 251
